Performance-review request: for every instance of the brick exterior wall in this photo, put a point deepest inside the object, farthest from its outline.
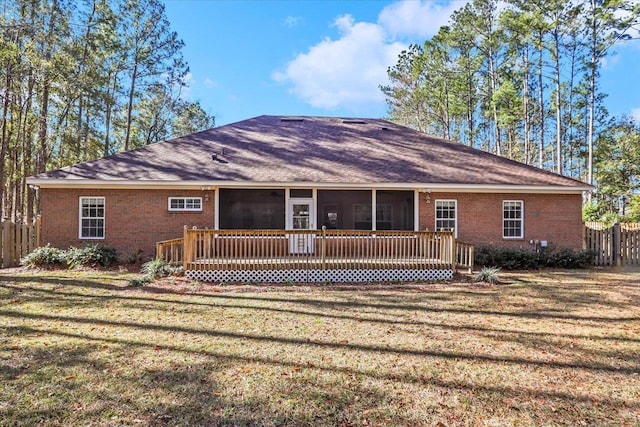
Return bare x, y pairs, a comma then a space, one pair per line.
556, 218
134, 219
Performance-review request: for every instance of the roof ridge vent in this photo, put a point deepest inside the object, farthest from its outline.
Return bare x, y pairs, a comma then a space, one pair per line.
291, 119
354, 121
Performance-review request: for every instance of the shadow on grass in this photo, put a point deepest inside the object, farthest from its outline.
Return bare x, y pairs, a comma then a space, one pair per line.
174, 394
187, 393
425, 379
635, 369
75, 299
559, 314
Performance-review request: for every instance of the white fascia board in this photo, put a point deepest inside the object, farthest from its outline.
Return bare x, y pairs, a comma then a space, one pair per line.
212, 185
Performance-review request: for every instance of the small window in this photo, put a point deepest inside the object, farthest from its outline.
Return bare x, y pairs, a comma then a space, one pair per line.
513, 219
181, 204
446, 215
92, 217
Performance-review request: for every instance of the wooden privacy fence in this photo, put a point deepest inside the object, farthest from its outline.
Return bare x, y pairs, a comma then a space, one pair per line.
17, 240
204, 249
615, 245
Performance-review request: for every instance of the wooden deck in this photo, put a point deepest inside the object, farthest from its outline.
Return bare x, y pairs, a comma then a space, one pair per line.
252, 250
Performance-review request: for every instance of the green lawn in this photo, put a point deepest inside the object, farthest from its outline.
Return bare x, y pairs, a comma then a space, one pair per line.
79, 348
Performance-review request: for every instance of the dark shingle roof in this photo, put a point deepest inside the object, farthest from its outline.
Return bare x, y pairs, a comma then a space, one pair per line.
313, 149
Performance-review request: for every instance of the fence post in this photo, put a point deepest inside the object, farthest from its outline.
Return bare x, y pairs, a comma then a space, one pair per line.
615, 250
7, 243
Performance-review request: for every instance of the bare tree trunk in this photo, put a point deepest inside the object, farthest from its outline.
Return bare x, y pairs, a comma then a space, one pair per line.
525, 106
4, 143
541, 103
556, 55
494, 87
592, 92
132, 88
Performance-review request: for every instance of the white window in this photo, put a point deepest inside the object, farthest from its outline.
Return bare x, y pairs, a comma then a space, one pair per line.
513, 219
92, 217
178, 204
446, 215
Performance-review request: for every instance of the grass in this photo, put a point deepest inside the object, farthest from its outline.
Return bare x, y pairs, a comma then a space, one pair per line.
551, 348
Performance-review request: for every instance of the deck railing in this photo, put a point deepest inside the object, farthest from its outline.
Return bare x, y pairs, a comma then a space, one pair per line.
315, 249
464, 255
171, 251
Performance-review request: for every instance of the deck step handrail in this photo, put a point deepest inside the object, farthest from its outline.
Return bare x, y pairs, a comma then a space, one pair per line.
171, 251
464, 255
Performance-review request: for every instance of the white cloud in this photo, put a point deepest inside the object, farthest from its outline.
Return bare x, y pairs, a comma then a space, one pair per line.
416, 18
346, 72
210, 83
292, 21
635, 113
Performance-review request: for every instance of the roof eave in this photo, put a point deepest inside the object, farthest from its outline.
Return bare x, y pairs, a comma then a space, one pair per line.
207, 185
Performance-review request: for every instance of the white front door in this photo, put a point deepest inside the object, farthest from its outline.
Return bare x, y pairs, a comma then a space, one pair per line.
301, 216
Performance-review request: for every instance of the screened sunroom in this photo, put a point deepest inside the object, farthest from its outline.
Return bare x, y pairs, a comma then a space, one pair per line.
311, 209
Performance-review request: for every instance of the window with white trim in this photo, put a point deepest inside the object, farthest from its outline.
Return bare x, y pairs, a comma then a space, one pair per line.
446, 215
513, 219
185, 204
91, 217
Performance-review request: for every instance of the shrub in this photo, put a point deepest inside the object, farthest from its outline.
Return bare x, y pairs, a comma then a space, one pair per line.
566, 258
508, 259
522, 259
45, 256
137, 282
156, 268
488, 275
91, 256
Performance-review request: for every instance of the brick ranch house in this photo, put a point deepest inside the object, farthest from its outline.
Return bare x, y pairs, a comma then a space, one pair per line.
307, 173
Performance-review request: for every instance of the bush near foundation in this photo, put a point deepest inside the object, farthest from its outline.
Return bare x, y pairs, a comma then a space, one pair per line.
522, 259
87, 256
45, 256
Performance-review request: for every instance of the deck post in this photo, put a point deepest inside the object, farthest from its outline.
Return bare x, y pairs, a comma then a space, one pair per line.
186, 253
454, 249
323, 248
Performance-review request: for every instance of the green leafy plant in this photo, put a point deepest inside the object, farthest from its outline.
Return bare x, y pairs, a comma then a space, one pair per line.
156, 268
522, 259
137, 282
488, 275
135, 257
45, 256
90, 256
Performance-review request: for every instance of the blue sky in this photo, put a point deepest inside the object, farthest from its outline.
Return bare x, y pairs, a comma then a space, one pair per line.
249, 58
